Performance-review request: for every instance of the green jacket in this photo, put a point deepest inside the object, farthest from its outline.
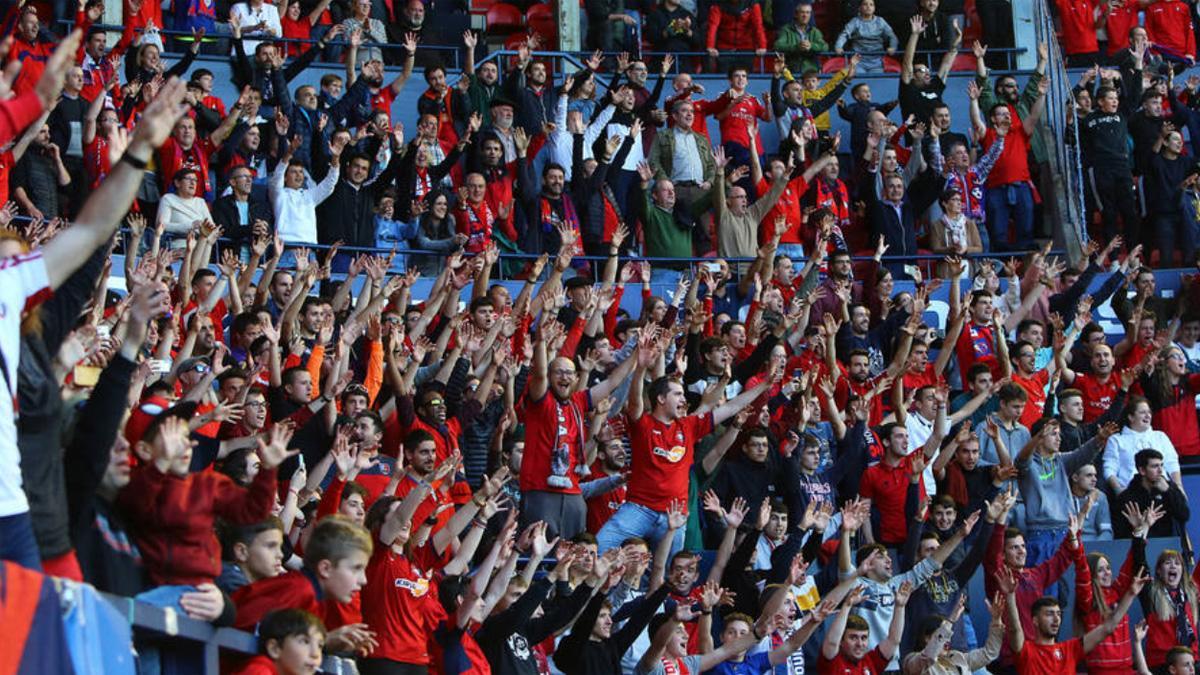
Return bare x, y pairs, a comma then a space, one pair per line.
988, 98
788, 42
479, 98
665, 238
662, 155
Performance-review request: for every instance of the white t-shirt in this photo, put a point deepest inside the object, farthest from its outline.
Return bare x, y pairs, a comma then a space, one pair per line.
266, 13
919, 431
23, 283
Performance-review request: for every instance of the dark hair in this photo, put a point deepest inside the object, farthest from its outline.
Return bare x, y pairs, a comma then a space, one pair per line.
1142, 459
230, 535
659, 387
482, 301
550, 166
290, 374
282, 624
415, 438
1042, 603
376, 420
1012, 392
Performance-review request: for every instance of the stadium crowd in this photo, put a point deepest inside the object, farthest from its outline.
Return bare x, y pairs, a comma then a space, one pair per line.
778, 467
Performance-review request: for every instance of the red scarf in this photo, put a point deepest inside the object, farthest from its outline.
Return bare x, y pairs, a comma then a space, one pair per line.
836, 200
478, 223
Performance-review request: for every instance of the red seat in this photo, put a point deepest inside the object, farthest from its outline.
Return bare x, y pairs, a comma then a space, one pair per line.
481, 6
833, 64
543, 22
964, 62
504, 18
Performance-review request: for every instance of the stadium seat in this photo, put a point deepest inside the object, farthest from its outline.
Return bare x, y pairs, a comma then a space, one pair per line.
503, 18
543, 23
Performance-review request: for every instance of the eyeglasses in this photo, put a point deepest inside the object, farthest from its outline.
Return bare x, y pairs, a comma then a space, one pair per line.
435, 403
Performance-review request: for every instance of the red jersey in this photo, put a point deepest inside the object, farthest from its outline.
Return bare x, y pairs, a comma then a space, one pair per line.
976, 344
1060, 658
295, 29
1097, 396
1078, 19
788, 206
925, 378
95, 161
218, 314
1169, 25
872, 664
396, 608
1118, 24
337, 614
437, 497
172, 157
291, 590
259, 665
735, 127
554, 428
33, 57
662, 458
1012, 166
383, 100
6, 164
1035, 389
602, 507
887, 487
847, 385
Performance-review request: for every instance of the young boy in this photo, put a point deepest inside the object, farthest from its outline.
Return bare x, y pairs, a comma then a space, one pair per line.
249, 553
292, 641
173, 511
335, 563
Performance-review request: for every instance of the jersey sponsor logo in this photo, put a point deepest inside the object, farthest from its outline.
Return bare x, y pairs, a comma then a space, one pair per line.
673, 454
416, 587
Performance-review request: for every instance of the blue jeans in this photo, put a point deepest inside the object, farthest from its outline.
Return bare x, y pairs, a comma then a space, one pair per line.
635, 520
17, 543
1040, 545
1015, 200
739, 155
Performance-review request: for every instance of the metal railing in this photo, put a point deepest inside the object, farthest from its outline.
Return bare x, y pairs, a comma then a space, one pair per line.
1063, 141
451, 55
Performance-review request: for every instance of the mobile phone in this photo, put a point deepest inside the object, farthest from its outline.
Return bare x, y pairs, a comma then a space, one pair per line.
86, 376
160, 366
301, 458
714, 268
911, 270
103, 331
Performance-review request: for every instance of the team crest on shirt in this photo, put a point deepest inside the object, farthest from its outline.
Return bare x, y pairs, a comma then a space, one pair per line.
417, 587
1058, 655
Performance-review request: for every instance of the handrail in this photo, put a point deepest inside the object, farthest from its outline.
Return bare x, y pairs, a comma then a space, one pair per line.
212, 640
576, 58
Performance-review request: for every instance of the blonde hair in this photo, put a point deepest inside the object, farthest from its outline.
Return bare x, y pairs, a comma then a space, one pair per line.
1160, 600
334, 539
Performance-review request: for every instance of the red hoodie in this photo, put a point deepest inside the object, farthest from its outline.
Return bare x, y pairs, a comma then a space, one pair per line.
174, 518
1169, 24
738, 32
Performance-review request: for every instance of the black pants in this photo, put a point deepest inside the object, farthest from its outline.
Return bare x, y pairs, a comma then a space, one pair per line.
1114, 192
1171, 229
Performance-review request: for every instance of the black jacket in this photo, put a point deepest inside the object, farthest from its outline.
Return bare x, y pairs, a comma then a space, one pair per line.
225, 213
1173, 502
578, 654
39, 426
109, 559
508, 637
348, 215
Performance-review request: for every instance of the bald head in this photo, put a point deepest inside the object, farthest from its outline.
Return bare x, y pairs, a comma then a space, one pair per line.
562, 377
